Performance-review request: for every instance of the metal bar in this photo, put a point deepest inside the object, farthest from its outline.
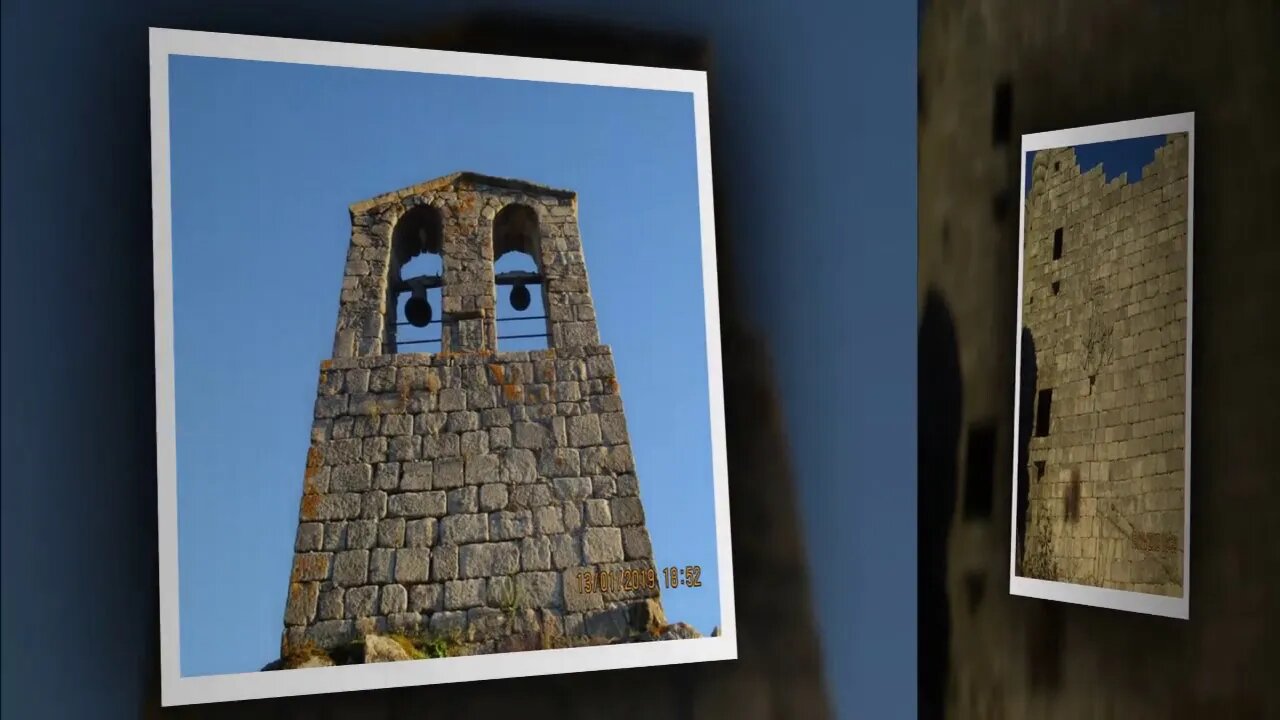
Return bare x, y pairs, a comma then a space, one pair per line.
505, 319
517, 337
417, 342
427, 282
514, 277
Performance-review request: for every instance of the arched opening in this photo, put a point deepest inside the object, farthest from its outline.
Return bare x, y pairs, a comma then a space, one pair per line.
414, 280
520, 308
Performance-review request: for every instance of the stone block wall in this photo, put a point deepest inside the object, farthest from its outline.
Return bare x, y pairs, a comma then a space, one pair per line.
469, 493
444, 493
1108, 321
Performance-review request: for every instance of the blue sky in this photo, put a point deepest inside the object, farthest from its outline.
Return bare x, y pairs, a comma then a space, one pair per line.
265, 160
1116, 156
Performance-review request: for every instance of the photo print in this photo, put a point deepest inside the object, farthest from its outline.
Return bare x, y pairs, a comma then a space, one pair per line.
438, 368
1103, 405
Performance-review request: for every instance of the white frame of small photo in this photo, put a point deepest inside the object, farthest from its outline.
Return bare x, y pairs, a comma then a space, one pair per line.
1131, 601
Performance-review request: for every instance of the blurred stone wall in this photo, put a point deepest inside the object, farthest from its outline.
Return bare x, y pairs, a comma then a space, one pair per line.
990, 71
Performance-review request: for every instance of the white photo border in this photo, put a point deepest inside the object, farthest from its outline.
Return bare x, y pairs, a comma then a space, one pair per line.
1131, 601
179, 690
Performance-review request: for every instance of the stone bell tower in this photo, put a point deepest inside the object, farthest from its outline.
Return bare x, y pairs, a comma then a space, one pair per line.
481, 496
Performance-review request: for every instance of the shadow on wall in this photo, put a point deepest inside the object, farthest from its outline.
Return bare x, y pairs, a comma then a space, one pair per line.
779, 670
940, 397
1027, 378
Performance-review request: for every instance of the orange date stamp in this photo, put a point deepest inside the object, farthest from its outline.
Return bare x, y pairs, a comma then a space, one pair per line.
627, 580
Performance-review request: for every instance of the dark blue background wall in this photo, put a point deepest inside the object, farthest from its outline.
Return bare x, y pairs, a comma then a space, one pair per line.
816, 159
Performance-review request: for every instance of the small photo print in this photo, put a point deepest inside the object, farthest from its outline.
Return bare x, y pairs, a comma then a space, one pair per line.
438, 373
1103, 407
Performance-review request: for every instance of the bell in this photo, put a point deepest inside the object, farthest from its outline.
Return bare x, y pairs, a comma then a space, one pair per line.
417, 310
520, 297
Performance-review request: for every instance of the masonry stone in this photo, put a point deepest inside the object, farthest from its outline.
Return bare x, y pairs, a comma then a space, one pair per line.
530, 496
330, 605
548, 520
486, 623
576, 597
475, 443
1105, 270
535, 553
510, 525
499, 438
361, 601
361, 534
464, 594
459, 529
501, 591
441, 479
373, 505
572, 517
627, 485
332, 506
386, 477
449, 473
425, 598
602, 545
603, 487
583, 430
351, 568
446, 623
404, 448
627, 511
518, 466
403, 623
418, 504
636, 544
572, 489
483, 560
482, 469
394, 599
530, 436
391, 533
420, 533
444, 563
412, 565
309, 537
416, 476
463, 500
596, 512
328, 633
539, 589
493, 497
610, 622
381, 561
301, 605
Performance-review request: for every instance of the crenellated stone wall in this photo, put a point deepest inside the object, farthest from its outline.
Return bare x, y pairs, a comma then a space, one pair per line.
1105, 302
472, 494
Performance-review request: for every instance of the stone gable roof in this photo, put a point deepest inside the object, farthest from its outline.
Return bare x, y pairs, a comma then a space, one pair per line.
464, 179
